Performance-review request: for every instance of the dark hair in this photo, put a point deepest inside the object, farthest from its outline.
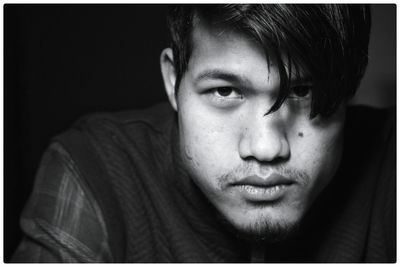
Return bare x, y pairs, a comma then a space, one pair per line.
329, 42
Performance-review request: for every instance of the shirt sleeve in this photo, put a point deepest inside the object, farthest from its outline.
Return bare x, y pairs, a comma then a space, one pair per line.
61, 221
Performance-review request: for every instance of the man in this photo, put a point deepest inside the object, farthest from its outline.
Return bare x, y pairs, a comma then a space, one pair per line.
259, 159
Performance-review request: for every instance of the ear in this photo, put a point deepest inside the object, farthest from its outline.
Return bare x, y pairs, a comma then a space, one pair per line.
169, 75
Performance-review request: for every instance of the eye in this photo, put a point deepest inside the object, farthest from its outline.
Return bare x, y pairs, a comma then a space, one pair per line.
224, 91
301, 91
224, 97
227, 92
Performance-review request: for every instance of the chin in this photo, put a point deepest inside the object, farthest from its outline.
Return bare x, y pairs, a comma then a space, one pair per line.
267, 231
269, 228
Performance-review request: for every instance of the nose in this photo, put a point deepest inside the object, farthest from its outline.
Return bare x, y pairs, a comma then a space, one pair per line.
264, 139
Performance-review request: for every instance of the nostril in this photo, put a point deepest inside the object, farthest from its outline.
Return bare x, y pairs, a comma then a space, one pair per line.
271, 162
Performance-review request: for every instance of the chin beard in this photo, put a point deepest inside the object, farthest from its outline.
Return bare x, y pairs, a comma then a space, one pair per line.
263, 230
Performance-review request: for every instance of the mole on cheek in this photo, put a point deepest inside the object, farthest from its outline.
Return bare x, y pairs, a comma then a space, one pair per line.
300, 134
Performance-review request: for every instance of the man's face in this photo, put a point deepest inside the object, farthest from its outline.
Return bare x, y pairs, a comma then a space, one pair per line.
262, 172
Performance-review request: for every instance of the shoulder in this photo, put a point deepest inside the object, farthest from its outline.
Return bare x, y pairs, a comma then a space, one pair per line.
123, 139
370, 162
113, 133
153, 118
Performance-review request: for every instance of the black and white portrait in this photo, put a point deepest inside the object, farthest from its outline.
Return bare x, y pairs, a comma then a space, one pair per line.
200, 133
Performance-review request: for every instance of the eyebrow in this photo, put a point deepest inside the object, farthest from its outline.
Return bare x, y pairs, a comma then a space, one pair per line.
219, 74
233, 77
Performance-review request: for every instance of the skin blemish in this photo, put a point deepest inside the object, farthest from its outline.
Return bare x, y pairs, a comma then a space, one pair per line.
300, 134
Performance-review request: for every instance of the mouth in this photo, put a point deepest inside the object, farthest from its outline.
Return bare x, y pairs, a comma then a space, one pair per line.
259, 189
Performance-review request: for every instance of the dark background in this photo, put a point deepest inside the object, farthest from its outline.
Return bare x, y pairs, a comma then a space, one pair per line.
63, 61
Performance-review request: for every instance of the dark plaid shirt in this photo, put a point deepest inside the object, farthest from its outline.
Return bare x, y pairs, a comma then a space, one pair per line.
354, 220
59, 225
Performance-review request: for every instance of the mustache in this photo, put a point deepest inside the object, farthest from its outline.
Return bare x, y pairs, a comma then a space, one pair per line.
248, 169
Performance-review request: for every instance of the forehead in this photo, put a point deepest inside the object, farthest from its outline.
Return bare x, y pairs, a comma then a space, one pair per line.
221, 47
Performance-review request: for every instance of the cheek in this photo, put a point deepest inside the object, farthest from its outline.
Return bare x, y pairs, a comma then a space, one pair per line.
205, 142
320, 149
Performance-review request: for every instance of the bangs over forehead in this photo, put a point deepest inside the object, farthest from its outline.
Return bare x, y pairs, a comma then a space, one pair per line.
329, 43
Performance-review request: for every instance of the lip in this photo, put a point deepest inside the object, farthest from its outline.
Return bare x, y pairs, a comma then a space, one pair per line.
258, 189
270, 181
